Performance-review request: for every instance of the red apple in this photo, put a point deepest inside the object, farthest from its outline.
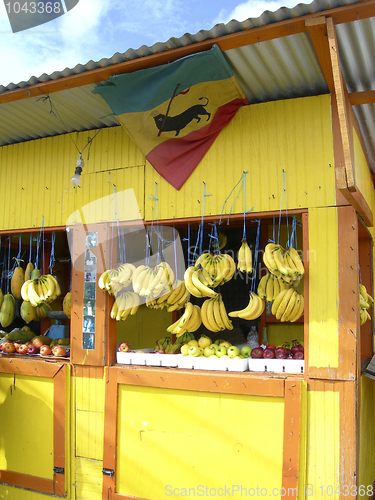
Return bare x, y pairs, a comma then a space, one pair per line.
22, 349
9, 348
257, 353
45, 350
281, 353
124, 347
32, 349
270, 346
288, 352
58, 350
297, 348
3, 346
268, 353
298, 355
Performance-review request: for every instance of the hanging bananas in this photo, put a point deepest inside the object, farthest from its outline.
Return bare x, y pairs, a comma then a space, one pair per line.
253, 310
288, 305
190, 320
244, 258
125, 304
270, 286
216, 269
283, 264
365, 303
214, 315
44, 289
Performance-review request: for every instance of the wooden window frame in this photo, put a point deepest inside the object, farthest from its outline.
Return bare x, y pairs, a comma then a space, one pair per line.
58, 372
287, 387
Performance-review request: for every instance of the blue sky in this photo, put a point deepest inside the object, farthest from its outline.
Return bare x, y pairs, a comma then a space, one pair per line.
97, 29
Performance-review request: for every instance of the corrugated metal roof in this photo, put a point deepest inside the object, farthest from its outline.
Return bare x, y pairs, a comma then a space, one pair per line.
283, 68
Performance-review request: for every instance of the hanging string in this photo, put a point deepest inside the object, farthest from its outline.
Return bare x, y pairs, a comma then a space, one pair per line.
17, 260
113, 223
222, 210
9, 273
31, 245
244, 206
283, 189
241, 187
43, 260
119, 253
256, 251
175, 252
52, 256
38, 243
155, 204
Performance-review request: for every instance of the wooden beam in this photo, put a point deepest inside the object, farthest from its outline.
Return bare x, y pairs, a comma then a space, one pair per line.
317, 30
365, 97
341, 104
345, 14
355, 199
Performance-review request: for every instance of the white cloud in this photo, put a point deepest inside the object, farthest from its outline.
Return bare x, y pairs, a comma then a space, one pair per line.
254, 8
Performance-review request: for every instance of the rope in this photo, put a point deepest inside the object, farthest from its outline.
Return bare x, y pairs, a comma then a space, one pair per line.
286, 209
155, 203
31, 246
9, 274
52, 256
256, 251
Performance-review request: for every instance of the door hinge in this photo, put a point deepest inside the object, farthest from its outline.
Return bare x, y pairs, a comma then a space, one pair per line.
58, 470
108, 472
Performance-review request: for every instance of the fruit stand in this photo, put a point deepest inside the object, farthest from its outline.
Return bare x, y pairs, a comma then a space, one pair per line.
211, 340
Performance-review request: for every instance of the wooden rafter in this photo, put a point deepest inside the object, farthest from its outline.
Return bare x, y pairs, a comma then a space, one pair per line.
339, 15
364, 97
339, 88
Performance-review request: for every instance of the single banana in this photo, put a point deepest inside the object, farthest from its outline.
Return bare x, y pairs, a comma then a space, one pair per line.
135, 304
32, 294
191, 288
195, 320
270, 288
289, 308
189, 309
211, 315
145, 283
269, 259
297, 260
297, 309
205, 290
217, 315
224, 315
138, 270
276, 287
103, 279
278, 300
278, 254
262, 285
24, 287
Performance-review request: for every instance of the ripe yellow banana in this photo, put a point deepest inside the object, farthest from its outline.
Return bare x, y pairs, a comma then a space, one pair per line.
205, 290
294, 255
289, 308
224, 315
284, 302
261, 290
191, 288
298, 312
278, 300
270, 288
241, 258
248, 258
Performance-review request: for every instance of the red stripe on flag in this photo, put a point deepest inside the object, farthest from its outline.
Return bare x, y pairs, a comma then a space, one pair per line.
176, 159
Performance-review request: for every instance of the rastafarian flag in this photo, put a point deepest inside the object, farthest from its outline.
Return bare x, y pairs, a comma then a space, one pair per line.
174, 112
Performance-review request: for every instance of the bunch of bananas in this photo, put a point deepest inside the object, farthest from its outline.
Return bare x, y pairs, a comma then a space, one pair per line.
44, 289
165, 344
7, 310
253, 310
186, 337
41, 311
152, 283
114, 280
270, 286
125, 304
285, 264
244, 258
220, 267
288, 305
214, 315
198, 282
190, 320
365, 302
174, 300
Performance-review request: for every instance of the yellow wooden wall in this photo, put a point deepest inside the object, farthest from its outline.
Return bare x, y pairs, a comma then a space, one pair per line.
264, 139
169, 441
